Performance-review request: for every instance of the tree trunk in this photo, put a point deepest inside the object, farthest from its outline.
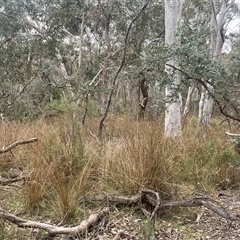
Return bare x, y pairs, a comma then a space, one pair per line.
105, 78
80, 47
173, 128
188, 105
135, 98
217, 40
144, 90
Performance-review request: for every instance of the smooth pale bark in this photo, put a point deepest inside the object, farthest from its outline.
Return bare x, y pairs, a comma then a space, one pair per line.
192, 92
216, 29
80, 47
64, 73
173, 128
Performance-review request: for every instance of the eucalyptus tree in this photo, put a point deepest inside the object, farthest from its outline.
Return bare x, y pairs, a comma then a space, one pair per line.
13, 53
173, 12
203, 69
37, 52
220, 19
139, 74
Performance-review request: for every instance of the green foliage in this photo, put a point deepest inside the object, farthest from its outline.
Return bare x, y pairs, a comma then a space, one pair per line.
59, 107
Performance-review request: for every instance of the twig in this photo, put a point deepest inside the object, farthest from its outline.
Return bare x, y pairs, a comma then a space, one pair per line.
13, 145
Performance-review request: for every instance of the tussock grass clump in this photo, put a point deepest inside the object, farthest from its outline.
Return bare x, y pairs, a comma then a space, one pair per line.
142, 158
206, 159
61, 168
67, 162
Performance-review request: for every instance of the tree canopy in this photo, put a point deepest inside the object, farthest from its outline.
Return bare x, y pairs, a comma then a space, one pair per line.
69, 52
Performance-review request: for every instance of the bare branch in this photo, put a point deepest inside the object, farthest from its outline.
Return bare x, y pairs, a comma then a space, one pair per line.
24, 87
211, 94
4, 182
13, 145
158, 201
232, 134
52, 229
146, 196
120, 67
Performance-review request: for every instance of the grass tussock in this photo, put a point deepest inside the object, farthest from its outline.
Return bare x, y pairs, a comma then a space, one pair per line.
207, 159
142, 158
67, 162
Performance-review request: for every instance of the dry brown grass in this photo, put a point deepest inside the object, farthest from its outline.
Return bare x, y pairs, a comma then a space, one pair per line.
59, 167
67, 162
141, 158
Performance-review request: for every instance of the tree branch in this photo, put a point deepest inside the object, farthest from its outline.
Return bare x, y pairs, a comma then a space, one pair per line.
211, 94
13, 145
120, 66
5, 182
23, 89
232, 134
146, 196
52, 229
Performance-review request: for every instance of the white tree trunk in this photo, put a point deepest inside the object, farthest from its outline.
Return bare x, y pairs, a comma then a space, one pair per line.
216, 28
173, 128
80, 46
192, 90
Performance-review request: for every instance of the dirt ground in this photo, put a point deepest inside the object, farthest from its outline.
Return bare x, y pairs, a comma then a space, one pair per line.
199, 224
130, 223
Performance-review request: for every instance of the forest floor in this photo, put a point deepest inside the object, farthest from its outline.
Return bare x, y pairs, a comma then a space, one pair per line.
130, 223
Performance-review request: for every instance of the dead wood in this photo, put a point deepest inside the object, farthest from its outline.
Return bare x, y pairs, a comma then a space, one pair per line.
121, 235
52, 229
13, 145
146, 196
157, 201
6, 181
114, 199
232, 134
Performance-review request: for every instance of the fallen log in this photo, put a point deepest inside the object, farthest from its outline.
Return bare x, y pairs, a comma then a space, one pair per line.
52, 229
152, 198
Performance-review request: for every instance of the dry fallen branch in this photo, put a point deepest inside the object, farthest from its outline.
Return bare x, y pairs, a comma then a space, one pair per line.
158, 203
146, 196
6, 181
51, 229
122, 200
232, 134
195, 202
13, 145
